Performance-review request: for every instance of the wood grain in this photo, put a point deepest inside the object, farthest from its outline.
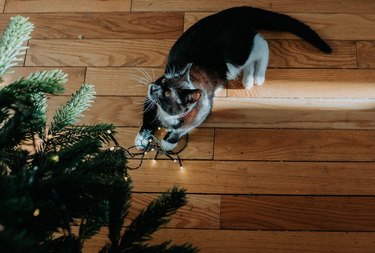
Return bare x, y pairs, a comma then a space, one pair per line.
111, 52
298, 213
241, 241
294, 145
330, 26
366, 54
300, 54
121, 111
240, 177
150, 52
103, 25
76, 76
2, 5
200, 212
292, 113
67, 6
313, 6
310, 83
122, 81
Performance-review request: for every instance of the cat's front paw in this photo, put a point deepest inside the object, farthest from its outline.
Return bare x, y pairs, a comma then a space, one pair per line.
259, 80
168, 146
142, 140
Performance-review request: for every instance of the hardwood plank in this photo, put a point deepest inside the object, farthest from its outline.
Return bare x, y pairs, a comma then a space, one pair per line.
294, 145
313, 6
298, 213
300, 54
239, 177
201, 211
76, 76
330, 26
122, 81
292, 113
2, 5
310, 83
67, 6
241, 241
121, 111
366, 54
150, 52
111, 52
200, 146
103, 25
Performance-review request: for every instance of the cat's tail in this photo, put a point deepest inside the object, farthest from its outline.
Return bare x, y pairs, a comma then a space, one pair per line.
268, 20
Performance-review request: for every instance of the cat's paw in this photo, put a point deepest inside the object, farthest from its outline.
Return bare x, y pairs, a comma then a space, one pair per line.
141, 140
259, 80
168, 146
248, 82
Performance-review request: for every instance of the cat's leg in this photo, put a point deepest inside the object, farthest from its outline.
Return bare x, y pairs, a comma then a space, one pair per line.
171, 140
149, 125
248, 75
261, 63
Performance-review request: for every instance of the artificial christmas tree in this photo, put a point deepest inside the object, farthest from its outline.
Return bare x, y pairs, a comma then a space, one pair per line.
59, 175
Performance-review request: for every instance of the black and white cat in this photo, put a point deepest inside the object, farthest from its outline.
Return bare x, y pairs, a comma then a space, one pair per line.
214, 50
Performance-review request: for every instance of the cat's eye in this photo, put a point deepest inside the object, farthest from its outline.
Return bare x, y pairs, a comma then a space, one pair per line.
167, 93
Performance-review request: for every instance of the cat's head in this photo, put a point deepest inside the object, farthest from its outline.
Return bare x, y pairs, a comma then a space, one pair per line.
174, 93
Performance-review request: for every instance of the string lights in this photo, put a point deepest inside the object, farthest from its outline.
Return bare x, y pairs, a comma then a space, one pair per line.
153, 145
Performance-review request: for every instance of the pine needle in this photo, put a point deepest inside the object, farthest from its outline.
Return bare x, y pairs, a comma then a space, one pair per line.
69, 113
11, 44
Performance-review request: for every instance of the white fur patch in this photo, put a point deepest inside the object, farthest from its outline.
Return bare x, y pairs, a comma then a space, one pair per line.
254, 69
167, 146
141, 140
166, 119
256, 65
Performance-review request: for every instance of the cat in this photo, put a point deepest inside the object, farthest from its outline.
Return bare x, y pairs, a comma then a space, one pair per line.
213, 51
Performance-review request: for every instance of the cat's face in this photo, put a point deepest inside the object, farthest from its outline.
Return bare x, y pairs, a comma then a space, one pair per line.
175, 94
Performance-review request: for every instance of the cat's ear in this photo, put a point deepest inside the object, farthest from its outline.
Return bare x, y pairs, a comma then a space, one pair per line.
193, 96
185, 72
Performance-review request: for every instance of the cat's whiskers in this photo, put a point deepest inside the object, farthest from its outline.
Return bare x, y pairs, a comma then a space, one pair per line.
149, 104
141, 80
145, 74
153, 74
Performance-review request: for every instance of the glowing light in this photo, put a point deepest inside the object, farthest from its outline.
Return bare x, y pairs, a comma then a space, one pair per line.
181, 167
112, 148
36, 212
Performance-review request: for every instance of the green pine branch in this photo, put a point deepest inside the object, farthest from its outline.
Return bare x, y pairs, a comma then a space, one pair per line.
69, 113
70, 135
11, 43
155, 215
23, 105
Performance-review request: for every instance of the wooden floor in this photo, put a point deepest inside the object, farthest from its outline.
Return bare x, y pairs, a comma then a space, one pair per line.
286, 167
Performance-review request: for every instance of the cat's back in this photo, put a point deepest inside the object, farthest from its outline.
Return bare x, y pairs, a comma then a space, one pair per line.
213, 39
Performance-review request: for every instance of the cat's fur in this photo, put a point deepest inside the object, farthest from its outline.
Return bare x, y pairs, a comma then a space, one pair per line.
211, 52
